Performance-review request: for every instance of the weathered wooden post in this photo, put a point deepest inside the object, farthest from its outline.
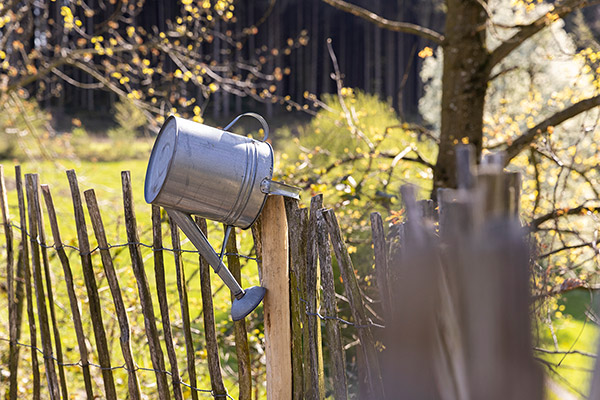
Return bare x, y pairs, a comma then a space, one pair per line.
275, 278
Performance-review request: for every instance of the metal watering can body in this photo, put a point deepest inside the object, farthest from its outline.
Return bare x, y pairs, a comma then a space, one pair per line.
197, 169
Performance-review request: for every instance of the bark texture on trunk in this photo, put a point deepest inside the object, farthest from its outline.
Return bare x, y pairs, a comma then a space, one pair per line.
464, 85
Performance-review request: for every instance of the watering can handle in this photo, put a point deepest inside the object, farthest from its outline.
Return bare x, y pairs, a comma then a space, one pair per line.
260, 119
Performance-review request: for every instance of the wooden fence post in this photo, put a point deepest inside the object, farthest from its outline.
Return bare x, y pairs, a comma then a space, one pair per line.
156, 354
31, 183
115, 290
12, 301
68, 275
35, 368
297, 224
92, 288
50, 293
334, 338
275, 278
355, 299
314, 343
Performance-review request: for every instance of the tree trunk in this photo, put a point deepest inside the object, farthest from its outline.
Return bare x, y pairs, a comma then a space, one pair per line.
464, 86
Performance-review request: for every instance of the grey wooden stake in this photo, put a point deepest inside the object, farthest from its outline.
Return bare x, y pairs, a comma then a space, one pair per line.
380, 251
241, 335
73, 302
35, 368
296, 219
31, 184
357, 305
115, 290
334, 339
13, 357
50, 295
92, 289
156, 354
315, 360
183, 300
208, 313
161, 291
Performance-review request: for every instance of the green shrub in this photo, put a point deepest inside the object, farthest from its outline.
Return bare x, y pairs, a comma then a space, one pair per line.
358, 157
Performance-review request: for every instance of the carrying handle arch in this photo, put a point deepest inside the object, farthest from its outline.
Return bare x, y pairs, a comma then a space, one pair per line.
256, 116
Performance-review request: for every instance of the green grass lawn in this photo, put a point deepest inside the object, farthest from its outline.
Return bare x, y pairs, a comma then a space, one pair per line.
573, 331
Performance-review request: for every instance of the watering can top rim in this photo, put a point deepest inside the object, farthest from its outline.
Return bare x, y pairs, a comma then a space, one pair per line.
148, 196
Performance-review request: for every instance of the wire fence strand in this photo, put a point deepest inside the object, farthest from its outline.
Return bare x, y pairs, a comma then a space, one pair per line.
122, 367
308, 311
315, 313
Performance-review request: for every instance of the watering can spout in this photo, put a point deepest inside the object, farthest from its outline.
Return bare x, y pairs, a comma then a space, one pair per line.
245, 300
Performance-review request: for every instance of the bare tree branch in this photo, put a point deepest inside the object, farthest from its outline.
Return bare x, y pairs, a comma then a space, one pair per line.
381, 22
525, 139
561, 10
556, 213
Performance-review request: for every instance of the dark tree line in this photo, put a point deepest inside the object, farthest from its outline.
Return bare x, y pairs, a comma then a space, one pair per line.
371, 58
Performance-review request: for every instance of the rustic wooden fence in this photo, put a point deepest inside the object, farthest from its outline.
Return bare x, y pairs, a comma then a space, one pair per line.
452, 320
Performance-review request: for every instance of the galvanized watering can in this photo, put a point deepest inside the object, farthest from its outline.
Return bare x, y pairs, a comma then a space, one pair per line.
197, 169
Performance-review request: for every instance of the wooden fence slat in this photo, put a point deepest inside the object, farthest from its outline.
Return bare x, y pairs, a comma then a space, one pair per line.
297, 238
498, 324
161, 291
156, 353
68, 275
208, 315
31, 184
334, 339
183, 303
13, 357
381, 262
275, 278
35, 368
50, 295
256, 230
92, 288
115, 290
315, 345
241, 335
356, 304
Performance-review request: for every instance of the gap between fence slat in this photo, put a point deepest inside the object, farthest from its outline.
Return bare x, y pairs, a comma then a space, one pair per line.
161, 291
208, 316
68, 275
183, 304
92, 289
241, 335
28, 285
156, 354
31, 184
115, 290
